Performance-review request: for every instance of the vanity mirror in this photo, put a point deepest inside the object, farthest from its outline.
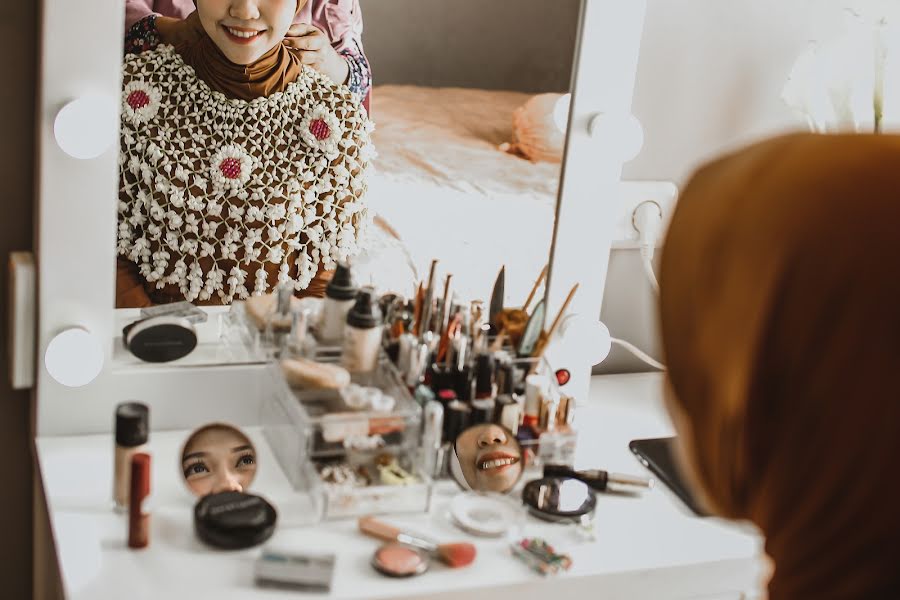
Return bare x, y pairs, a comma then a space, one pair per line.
454, 181
240, 167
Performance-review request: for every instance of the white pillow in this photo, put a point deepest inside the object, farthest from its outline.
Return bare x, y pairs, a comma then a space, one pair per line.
536, 135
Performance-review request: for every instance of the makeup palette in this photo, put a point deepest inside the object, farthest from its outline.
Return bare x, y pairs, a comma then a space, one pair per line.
397, 560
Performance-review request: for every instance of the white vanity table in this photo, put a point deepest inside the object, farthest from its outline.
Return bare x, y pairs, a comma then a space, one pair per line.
646, 547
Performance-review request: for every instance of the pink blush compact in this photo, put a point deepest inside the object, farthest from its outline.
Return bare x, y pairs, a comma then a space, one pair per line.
397, 560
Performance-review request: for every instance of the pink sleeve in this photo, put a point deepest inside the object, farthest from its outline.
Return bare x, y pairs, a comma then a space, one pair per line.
341, 20
135, 10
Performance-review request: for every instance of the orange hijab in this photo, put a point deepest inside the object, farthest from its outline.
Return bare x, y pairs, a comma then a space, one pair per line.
270, 74
780, 312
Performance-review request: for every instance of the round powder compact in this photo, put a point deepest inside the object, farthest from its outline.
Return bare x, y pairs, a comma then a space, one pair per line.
485, 515
397, 560
234, 520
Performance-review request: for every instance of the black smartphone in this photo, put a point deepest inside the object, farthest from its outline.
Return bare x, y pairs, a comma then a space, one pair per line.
657, 455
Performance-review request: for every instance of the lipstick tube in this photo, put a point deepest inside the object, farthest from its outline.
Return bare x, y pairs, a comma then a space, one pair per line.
138, 513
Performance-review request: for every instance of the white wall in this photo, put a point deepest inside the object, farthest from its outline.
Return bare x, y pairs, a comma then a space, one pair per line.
711, 73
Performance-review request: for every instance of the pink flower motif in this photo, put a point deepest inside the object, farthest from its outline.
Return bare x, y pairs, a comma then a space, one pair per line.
320, 129
140, 102
231, 168
138, 99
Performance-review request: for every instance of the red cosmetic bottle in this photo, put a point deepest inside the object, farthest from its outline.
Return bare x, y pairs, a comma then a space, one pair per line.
138, 515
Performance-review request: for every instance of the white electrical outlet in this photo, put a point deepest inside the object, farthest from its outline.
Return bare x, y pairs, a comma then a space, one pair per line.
633, 193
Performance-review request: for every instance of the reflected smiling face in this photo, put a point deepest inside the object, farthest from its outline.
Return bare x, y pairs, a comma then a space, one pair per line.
244, 30
218, 458
490, 458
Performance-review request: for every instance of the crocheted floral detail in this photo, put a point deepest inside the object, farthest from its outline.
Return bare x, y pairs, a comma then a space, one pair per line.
140, 102
322, 130
230, 167
224, 198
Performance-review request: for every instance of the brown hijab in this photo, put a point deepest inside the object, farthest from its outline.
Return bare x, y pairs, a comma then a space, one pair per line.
270, 74
780, 311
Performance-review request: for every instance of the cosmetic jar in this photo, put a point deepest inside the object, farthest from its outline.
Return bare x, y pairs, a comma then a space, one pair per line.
160, 339
234, 520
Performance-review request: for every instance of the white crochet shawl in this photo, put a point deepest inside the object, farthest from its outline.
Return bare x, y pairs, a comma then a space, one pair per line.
215, 190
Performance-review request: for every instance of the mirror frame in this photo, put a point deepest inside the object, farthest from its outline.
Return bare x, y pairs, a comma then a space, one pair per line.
75, 214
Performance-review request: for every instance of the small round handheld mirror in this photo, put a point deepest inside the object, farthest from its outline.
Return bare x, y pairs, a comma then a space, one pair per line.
559, 499
218, 458
487, 458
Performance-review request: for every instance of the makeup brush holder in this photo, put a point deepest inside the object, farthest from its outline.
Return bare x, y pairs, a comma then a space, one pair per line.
362, 451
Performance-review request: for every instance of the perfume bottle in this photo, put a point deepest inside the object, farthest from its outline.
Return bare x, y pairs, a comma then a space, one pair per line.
280, 320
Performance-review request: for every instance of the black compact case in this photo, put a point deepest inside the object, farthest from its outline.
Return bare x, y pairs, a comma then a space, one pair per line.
559, 499
234, 520
160, 339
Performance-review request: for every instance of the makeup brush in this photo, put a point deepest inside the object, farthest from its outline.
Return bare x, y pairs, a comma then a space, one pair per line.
417, 310
453, 555
429, 299
542, 345
446, 306
534, 289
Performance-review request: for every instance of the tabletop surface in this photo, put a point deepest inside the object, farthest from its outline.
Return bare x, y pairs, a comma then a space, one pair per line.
650, 546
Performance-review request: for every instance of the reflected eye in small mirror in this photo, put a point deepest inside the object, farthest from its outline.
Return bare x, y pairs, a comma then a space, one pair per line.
487, 458
218, 458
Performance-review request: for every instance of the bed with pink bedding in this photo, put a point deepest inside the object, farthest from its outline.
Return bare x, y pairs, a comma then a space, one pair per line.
450, 193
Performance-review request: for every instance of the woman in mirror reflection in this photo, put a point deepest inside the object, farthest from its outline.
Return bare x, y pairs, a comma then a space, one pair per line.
218, 458
490, 458
241, 167
780, 313
326, 33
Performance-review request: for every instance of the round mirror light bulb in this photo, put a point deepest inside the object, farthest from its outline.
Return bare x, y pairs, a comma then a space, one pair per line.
86, 127
623, 133
74, 357
561, 112
588, 338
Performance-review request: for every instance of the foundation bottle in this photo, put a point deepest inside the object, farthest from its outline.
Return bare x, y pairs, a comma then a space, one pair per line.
339, 298
362, 334
131, 437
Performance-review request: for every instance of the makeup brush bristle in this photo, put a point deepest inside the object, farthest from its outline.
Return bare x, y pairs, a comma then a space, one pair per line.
457, 555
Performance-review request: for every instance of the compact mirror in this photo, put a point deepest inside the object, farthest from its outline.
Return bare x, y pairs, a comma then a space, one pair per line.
559, 499
218, 458
487, 458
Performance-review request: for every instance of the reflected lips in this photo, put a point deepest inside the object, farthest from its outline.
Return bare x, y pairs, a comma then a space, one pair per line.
496, 461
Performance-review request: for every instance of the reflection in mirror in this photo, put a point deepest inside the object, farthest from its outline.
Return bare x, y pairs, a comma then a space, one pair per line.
218, 458
241, 167
487, 458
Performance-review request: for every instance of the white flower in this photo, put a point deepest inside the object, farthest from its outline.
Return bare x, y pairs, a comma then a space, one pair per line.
844, 83
321, 130
140, 102
230, 167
